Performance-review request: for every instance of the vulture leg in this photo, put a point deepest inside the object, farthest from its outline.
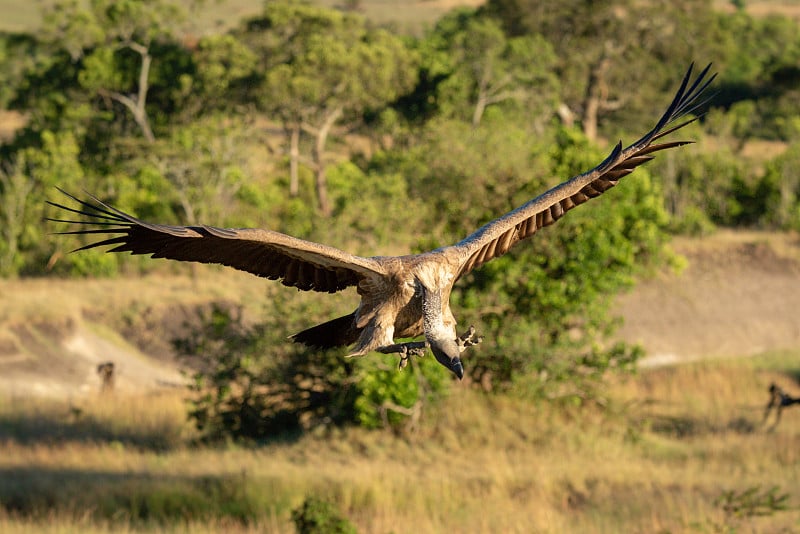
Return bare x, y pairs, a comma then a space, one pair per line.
418, 348
406, 350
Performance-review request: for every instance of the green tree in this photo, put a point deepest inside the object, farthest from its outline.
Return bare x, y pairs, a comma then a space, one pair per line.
25, 181
487, 68
317, 516
204, 162
615, 58
780, 190
18, 55
101, 33
223, 65
333, 68
15, 187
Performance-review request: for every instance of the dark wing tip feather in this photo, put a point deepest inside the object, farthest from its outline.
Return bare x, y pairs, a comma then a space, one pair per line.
99, 215
683, 103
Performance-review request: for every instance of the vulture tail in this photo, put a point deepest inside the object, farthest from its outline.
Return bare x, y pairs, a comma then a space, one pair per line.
335, 333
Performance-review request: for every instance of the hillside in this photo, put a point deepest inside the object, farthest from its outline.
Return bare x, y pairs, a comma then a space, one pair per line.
737, 296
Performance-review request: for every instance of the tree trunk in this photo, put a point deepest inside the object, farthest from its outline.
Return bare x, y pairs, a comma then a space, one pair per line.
294, 157
137, 104
480, 107
318, 155
594, 92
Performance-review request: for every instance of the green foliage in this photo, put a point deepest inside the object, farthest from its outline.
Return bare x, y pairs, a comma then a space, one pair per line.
544, 307
332, 68
778, 192
708, 184
753, 501
80, 27
222, 64
388, 397
249, 384
486, 68
368, 207
316, 516
18, 54
468, 176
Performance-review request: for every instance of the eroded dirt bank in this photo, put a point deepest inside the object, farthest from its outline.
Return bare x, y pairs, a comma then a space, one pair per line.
738, 295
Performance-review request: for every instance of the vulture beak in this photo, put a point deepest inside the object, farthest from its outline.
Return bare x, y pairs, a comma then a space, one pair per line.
448, 354
457, 368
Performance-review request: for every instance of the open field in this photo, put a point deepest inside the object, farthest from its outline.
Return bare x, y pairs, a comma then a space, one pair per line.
678, 449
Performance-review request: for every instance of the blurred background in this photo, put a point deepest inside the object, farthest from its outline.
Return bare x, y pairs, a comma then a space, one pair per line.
629, 350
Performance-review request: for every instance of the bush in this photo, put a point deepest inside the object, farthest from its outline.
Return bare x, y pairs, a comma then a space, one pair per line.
316, 516
251, 384
388, 397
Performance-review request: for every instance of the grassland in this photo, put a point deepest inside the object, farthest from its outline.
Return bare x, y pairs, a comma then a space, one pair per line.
411, 16
677, 449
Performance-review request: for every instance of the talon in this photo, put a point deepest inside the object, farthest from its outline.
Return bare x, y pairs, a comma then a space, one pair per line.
468, 338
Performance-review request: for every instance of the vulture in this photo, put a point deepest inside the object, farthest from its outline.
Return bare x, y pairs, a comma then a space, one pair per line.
401, 296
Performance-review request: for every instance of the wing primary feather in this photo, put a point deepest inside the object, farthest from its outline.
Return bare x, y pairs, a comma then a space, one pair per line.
101, 208
668, 131
86, 213
98, 223
111, 241
93, 231
680, 103
663, 146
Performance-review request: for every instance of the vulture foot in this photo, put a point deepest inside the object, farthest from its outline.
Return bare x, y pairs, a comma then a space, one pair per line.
406, 350
468, 339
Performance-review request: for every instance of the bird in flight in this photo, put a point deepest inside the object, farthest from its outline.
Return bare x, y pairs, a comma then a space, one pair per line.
401, 296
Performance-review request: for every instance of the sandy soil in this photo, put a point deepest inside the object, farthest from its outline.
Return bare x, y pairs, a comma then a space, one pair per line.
54, 333
739, 295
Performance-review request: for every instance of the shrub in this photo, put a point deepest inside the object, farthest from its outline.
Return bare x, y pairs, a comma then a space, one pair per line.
316, 516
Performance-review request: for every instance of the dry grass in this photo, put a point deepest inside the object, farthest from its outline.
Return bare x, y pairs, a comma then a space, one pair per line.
671, 443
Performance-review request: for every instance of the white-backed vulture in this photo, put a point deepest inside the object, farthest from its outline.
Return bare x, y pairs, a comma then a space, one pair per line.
402, 296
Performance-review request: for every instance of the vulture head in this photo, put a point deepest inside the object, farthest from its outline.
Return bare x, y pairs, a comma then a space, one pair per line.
448, 353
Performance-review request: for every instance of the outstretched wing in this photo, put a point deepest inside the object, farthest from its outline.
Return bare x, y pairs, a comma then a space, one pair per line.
497, 237
297, 263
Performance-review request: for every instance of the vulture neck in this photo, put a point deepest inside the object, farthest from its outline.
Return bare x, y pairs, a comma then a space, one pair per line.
433, 315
